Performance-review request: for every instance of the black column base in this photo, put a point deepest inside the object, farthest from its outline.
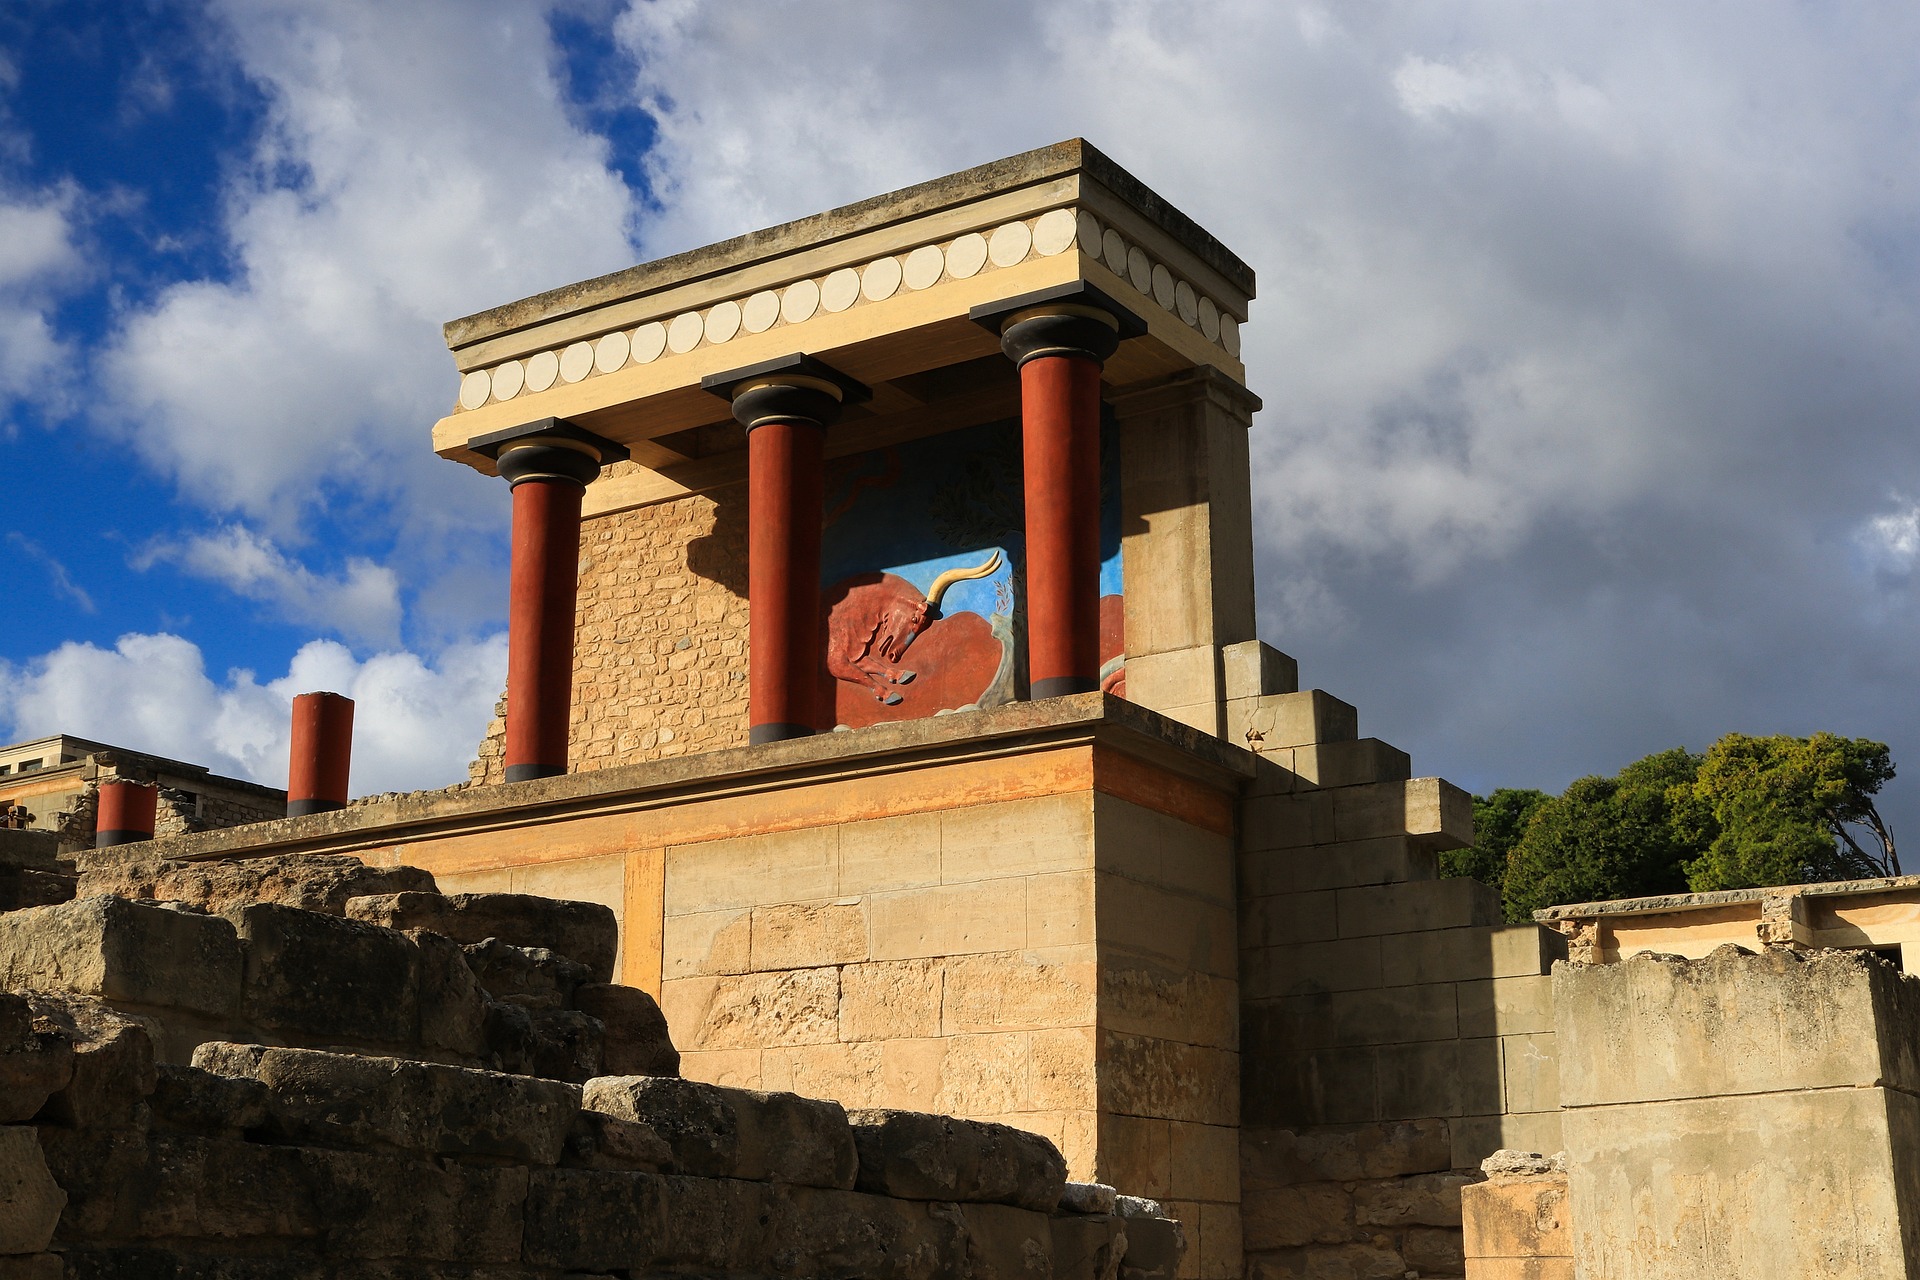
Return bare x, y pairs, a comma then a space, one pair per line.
106, 839
1062, 686
301, 808
778, 732
528, 772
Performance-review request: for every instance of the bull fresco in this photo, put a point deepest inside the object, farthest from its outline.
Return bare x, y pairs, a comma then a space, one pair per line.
923, 578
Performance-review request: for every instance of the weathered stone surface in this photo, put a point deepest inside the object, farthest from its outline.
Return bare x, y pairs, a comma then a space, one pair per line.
123, 951
636, 1040
453, 1005
1087, 1197
30, 1200
1302, 1214
309, 881
927, 1157
584, 932
1432, 1251
1278, 1157
848, 1234
35, 1062
1088, 1246
369, 991
601, 1141
1427, 1200
758, 1010
1154, 1249
531, 976
735, 1133
1374, 1260
193, 1098
890, 1000
596, 1220
38, 1266
352, 1101
113, 1061
1008, 1243
1517, 1216
566, 1045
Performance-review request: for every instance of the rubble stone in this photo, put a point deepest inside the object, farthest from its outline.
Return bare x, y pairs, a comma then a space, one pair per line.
585, 932
113, 1061
372, 975
30, 1200
929, 1157
34, 1063
735, 1133
636, 1042
310, 881
531, 976
123, 951
193, 1098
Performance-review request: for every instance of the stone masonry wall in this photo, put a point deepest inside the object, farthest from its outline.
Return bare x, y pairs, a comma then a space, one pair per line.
660, 637
132, 1144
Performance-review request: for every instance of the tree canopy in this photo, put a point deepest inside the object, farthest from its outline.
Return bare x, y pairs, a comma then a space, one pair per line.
1750, 811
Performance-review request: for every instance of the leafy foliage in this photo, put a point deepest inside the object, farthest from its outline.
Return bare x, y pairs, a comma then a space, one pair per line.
1749, 812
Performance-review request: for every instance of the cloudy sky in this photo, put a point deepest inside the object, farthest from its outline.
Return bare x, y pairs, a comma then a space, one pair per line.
1589, 333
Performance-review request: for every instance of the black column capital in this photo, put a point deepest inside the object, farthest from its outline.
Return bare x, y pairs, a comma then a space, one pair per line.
790, 388
1074, 319
548, 449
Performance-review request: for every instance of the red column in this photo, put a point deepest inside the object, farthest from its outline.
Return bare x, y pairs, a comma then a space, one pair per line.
1060, 433
785, 492
124, 813
544, 584
321, 753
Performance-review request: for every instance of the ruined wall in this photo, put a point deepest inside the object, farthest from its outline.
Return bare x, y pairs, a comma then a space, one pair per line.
1742, 1115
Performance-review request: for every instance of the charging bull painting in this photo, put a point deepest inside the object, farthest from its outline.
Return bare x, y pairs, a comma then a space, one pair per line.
923, 574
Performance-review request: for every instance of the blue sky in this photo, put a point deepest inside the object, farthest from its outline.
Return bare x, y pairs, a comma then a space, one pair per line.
1587, 332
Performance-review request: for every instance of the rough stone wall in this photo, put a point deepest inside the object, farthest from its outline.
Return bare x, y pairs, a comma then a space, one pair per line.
131, 1144
1394, 1032
660, 637
1516, 1223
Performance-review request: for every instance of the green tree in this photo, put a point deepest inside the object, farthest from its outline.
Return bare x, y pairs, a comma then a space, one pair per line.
1605, 838
1781, 810
1498, 821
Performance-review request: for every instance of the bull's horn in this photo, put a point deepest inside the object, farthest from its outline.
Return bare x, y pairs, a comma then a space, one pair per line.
951, 576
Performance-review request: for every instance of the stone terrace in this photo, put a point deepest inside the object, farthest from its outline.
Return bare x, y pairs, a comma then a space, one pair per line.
304, 1066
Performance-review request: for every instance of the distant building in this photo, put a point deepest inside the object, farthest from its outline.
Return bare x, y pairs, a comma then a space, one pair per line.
53, 779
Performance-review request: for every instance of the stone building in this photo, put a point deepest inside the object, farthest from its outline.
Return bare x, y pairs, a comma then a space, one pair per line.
56, 779
883, 659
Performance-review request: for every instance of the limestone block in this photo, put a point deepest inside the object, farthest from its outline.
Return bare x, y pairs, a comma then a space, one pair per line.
600, 1141
926, 1157
804, 937
1351, 763
882, 854
201, 1101
1087, 1197
1142, 998
34, 1063
1288, 918
1158, 849
1531, 1072
1440, 1078
706, 942
851, 1074
1461, 955
912, 1073
757, 1010
735, 1133
309, 881
1381, 1015
30, 1200
984, 1075
989, 915
1317, 1086
598, 1219
1219, 1245
372, 978
1143, 1076
776, 866
1477, 1137
37, 1266
1060, 910
1006, 1243
1433, 1250
1061, 1069
1516, 1217
1171, 928
1136, 1153
891, 999
123, 951
565, 1044
1087, 1246
1656, 1186
433, 1211
1342, 964
1733, 1023
1431, 808
1254, 668
1206, 1161
1040, 835
113, 1061
1272, 1157
584, 932
531, 977
1416, 906
1293, 1216
1155, 1247
1017, 991
1175, 677
1286, 821
1382, 860
866, 1235
1505, 1006
636, 1040
1297, 719
1426, 1199
334, 1099
452, 1003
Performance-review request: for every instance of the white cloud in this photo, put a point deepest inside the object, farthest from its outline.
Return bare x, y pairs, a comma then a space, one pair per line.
362, 602
57, 574
1891, 540
417, 164
39, 259
416, 722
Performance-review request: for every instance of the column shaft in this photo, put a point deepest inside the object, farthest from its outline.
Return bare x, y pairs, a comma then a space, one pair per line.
785, 494
1060, 432
542, 592
124, 813
321, 753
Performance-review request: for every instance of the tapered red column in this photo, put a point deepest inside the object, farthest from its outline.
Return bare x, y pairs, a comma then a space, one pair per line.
124, 813
549, 475
786, 405
1060, 349
320, 755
